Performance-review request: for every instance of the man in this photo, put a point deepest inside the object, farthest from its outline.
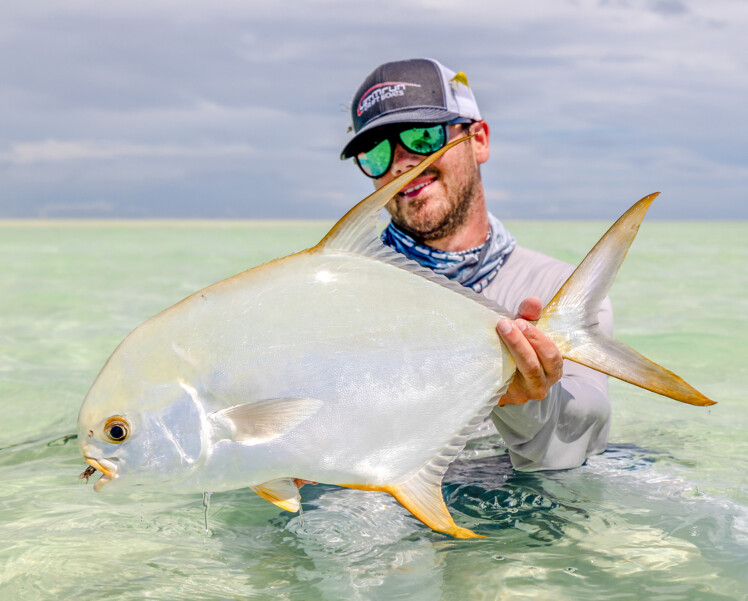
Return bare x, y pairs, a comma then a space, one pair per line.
406, 110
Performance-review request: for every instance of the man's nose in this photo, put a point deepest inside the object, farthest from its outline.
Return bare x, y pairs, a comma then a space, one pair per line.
403, 159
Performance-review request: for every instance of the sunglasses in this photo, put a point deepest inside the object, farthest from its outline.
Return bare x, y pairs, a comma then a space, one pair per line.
418, 140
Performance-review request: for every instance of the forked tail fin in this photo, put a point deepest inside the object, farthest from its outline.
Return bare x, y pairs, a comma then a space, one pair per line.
570, 319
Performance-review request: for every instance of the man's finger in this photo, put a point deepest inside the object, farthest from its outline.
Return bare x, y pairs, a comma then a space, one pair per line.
546, 350
530, 308
524, 355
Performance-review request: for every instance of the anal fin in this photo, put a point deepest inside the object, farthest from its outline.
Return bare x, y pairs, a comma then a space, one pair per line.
282, 493
423, 498
421, 492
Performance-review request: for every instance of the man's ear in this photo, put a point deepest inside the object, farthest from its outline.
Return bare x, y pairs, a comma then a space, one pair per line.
481, 141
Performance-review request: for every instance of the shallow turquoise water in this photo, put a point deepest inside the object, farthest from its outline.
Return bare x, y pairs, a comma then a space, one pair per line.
662, 515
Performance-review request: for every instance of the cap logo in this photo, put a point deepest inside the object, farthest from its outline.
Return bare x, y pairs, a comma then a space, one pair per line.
381, 92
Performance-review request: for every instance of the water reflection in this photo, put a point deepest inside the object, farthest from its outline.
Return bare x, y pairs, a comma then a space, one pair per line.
363, 542
497, 498
627, 514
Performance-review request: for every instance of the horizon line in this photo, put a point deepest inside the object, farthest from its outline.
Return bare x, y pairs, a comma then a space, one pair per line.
228, 222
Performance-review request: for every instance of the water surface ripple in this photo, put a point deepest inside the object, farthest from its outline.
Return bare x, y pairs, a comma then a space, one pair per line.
662, 514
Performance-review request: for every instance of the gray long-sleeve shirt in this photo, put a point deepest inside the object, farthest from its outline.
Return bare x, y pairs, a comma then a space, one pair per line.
573, 421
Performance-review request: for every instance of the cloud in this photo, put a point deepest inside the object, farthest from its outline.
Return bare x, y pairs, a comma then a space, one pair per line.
77, 150
155, 106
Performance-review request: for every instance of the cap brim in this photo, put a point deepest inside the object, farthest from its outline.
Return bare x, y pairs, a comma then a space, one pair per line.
419, 115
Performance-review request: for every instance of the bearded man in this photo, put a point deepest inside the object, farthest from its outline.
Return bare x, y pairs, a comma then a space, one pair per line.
406, 110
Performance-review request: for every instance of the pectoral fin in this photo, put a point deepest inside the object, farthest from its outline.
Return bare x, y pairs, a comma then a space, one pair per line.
256, 422
282, 493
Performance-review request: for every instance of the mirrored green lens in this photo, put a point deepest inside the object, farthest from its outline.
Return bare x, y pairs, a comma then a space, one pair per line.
424, 140
376, 161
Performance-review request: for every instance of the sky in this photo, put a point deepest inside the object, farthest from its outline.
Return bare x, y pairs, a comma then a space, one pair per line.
238, 109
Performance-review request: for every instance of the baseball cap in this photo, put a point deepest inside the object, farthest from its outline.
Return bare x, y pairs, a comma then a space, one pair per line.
420, 90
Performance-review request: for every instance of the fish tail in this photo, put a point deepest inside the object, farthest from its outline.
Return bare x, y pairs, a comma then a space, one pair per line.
571, 318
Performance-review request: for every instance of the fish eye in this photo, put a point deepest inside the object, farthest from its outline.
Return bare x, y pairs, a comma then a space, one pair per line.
116, 429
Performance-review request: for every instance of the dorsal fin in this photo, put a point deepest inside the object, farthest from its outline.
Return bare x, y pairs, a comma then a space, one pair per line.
356, 230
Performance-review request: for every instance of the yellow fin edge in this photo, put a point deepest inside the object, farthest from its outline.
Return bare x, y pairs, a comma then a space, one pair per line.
433, 514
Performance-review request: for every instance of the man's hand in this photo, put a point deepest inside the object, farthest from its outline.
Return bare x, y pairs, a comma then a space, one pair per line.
539, 362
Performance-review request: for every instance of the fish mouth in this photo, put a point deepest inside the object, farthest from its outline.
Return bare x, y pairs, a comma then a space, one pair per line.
107, 468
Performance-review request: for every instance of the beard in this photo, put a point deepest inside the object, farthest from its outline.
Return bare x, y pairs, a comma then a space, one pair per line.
444, 220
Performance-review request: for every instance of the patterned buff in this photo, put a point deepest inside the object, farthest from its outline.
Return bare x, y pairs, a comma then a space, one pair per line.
474, 268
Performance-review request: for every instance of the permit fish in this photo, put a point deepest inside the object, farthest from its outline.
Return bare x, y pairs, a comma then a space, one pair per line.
346, 364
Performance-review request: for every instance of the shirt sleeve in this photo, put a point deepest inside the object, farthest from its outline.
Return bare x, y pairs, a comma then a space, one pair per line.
573, 421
